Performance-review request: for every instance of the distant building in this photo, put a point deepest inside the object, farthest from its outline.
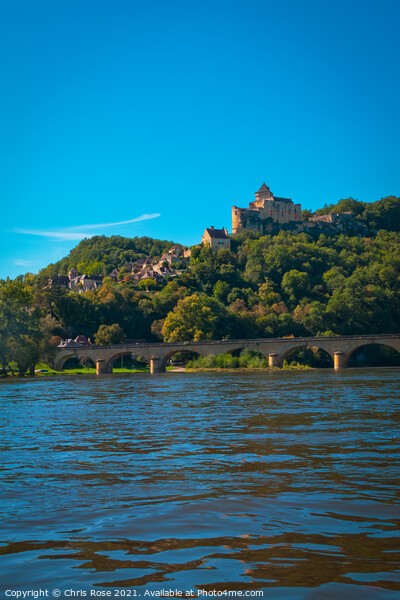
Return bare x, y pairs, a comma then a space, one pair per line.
76, 282
84, 283
149, 273
344, 217
83, 340
58, 281
69, 344
176, 250
114, 274
265, 209
164, 271
72, 273
216, 238
169, 258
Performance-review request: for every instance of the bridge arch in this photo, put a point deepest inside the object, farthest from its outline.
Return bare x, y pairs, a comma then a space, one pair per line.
61, 360
130, 356
232, 351
167, 357
84, 360
304, 346
249, 356
387, 353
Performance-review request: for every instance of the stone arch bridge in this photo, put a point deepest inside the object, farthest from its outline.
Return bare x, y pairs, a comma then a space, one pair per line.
339, 348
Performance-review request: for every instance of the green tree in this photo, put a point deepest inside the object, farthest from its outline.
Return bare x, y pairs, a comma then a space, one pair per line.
25, 351
23, 335
306, 214
384, 214
196, 317
148, 284
109, 334
295, 284
334, 279
221, 291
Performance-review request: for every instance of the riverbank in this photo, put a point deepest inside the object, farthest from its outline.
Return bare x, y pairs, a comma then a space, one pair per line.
238, 369
46, 371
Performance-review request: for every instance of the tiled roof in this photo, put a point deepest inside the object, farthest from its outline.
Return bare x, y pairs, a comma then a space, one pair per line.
217, 233
263, 188
286, 200
91, 277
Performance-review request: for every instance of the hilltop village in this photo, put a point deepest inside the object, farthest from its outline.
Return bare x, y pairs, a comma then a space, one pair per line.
172, 263
267, 214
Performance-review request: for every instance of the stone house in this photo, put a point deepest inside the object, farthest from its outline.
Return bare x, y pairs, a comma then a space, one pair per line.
142, 263
164, 271
176, 250
84, 283
149, 273
169, 258
216, 238
76, 282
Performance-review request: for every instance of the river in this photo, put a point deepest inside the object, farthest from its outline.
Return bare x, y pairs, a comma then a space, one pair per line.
285, 482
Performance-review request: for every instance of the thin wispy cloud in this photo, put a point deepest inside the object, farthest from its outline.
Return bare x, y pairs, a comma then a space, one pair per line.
24, 263
58, 235
136, 220
74, 233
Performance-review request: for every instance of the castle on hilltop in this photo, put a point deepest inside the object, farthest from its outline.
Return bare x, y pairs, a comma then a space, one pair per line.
264, 210
269, 214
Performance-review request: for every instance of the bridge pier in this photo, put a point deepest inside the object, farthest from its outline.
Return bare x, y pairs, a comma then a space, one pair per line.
101, 366
338, 360
272, 360
155, 365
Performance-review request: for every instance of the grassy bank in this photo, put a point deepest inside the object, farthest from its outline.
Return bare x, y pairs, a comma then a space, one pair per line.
247, 360
286, 367
43, 370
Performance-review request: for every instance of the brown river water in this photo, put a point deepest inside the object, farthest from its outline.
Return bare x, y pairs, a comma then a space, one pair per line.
283, 483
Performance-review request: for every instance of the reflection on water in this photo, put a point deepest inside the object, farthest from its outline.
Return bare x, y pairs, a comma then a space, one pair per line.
284, 482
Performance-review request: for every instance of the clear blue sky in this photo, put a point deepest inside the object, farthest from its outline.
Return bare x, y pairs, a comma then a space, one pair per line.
110, 110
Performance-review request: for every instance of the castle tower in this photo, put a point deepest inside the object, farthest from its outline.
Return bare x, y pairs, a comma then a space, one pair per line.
236, 219
264, 193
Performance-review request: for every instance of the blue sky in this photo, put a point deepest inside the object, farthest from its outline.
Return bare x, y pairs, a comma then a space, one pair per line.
153, 118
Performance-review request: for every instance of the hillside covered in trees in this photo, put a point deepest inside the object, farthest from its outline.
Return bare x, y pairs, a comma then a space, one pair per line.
265, 286
101, 254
